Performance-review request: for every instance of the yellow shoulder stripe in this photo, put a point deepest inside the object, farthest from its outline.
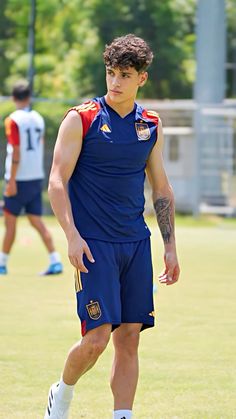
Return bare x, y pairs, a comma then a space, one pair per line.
153, 113
90, 106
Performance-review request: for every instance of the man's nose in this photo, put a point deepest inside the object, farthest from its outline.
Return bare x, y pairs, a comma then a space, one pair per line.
116, 81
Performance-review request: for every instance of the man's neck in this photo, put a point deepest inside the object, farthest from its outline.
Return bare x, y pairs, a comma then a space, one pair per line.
123, 108
23, 108
22, 104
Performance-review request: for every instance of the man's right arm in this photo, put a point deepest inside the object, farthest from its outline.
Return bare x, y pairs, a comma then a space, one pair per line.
13, 138
66, 153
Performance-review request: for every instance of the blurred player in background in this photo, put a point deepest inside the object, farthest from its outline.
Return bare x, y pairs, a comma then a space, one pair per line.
24, 175
96, 189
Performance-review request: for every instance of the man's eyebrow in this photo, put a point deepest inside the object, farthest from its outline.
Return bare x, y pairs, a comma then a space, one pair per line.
125, 72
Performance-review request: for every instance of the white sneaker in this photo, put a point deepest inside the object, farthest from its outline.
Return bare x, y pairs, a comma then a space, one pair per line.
54, 410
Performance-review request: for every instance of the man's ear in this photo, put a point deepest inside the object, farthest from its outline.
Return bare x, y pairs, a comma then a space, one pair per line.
143, 78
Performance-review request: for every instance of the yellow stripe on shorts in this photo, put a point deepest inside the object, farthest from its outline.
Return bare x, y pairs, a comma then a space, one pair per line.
78, 283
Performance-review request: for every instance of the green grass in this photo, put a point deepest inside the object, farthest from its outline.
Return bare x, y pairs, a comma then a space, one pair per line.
187, 362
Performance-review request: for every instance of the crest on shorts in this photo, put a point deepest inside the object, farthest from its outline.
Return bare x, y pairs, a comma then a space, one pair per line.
143, 131
94, 310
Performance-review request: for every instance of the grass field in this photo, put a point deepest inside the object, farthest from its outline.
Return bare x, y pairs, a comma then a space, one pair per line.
187, 362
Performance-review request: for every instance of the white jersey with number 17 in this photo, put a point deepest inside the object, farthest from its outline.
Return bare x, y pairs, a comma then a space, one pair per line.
31, 132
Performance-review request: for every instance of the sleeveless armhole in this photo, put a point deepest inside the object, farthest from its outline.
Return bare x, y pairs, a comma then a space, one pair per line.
87, 111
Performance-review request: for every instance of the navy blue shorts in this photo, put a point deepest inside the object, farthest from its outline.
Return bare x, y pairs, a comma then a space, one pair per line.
28, 197
118, 287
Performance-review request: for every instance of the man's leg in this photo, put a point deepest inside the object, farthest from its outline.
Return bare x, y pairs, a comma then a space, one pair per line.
8, 240
37, 222
125, 369
81, 358
85, 353
55, 265
10, 232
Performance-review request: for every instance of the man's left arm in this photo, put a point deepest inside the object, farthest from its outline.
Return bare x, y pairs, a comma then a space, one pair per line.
163, 200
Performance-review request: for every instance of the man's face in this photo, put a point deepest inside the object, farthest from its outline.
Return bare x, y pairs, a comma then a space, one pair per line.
123, 83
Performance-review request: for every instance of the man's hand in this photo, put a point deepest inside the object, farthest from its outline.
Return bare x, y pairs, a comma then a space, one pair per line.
77, 247
11, 188
170, 274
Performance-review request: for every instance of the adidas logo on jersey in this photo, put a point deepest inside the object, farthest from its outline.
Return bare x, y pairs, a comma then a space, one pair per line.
105, 128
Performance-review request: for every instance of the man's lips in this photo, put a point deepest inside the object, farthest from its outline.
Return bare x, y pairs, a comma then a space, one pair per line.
116, 92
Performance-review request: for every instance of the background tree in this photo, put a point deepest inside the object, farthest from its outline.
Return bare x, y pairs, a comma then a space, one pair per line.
165, 26
70, 38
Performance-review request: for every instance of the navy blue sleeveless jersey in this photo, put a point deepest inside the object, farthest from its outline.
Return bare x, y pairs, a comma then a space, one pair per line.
106, 189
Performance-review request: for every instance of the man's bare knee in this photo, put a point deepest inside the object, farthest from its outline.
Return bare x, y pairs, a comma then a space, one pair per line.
35, 221
93, 343
96, 340
127, 342
96, 347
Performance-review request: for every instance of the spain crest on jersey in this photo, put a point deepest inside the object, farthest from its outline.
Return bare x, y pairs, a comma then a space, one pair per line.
143, 131
94, 310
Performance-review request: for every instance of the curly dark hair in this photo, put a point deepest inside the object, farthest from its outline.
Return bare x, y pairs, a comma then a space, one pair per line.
128, 51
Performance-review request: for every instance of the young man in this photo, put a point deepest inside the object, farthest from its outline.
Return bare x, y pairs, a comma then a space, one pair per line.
102, 151
24, 174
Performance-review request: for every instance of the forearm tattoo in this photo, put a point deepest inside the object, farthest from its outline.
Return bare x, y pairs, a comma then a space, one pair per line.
163, 212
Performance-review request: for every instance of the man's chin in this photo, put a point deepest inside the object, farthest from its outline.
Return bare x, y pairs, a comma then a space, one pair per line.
115, 97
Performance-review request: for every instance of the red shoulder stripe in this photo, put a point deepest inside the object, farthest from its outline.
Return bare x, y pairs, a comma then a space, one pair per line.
152, 115
12, 131
87, 111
